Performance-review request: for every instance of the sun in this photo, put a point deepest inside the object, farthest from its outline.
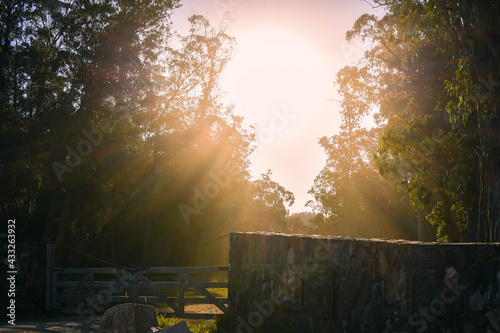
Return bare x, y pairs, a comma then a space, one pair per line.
274, 68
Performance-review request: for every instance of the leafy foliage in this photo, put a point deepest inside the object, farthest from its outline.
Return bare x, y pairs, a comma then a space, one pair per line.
113, 131
432, 73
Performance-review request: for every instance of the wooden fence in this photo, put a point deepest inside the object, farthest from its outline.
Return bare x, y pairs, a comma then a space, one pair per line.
77, 290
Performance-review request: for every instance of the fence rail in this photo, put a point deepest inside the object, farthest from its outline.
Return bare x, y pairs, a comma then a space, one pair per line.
74, 289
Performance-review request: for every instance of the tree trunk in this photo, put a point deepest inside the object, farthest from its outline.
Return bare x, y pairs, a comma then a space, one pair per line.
472, 231
425, 232
489, 183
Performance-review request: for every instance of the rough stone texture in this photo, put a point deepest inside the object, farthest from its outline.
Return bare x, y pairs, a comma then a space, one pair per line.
128, 318
180, 327
335, 284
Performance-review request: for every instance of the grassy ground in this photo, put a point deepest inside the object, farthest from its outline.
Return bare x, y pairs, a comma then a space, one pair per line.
198, 326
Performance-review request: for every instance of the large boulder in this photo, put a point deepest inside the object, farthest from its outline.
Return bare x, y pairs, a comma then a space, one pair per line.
128, 318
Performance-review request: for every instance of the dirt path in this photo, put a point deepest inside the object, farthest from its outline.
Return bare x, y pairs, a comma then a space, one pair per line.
65, 324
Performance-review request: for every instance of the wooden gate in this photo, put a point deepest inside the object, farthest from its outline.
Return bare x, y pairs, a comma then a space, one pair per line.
78, 290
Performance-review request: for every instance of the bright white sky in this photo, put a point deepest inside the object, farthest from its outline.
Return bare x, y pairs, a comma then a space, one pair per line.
288, 54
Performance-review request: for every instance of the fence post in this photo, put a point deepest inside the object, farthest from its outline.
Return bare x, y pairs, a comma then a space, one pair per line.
49, 287
134, 297
91, 285
180, 276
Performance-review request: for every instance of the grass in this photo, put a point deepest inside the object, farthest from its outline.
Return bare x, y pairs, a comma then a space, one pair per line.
208, 326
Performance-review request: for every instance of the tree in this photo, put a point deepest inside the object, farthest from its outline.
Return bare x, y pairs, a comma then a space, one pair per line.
349, 196
422, 79
475, 98
270, 204
302, 223
113, 129
334, 187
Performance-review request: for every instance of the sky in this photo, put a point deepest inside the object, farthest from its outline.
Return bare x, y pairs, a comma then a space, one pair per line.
281, 78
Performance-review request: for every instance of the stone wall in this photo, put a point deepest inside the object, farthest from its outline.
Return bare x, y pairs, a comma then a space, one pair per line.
296, 283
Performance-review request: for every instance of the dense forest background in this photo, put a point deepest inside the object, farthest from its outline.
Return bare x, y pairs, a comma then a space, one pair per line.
114, 139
